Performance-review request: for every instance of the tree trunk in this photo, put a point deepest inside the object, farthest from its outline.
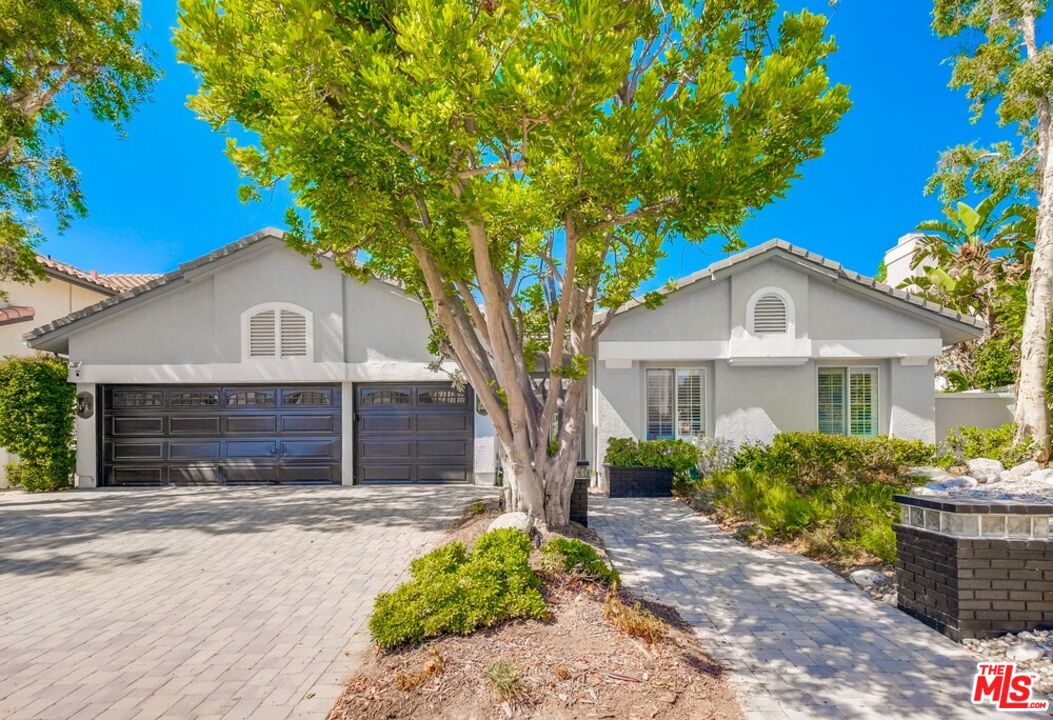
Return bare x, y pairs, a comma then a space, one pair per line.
1032, 410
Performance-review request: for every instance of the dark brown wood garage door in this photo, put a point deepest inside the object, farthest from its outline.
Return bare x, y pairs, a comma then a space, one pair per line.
183, 435
413, 433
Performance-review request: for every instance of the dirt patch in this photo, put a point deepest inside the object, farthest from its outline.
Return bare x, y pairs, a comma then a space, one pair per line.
576, 665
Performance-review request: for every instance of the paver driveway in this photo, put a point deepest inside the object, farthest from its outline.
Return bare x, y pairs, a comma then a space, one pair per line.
199, 602
800, 641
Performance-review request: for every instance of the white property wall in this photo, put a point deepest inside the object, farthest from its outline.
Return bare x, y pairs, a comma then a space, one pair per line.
978, 409
371, 332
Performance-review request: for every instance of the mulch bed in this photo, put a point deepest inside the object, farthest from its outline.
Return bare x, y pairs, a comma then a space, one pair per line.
574, 665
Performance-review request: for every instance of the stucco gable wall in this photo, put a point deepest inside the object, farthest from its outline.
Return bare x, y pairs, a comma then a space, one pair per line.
51, 298
845, 314
698, 312
201, 322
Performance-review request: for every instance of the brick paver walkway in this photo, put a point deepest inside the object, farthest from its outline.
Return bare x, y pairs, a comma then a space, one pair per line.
800, 641
198, 602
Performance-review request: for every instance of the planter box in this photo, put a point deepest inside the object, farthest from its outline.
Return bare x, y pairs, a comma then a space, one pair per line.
579, 502
639, 482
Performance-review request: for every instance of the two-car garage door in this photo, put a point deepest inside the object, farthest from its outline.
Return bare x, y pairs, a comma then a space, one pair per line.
189, 435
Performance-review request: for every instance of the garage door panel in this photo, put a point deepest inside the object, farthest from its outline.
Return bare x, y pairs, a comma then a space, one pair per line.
444, 423
310, 449
384, 423
325, 424
388, 472
428, 472
199, 474
386, 449
124, 450
200, 450
192, 435
427, 449
264, 424
250, 472
125, 426
193, 425
131, 475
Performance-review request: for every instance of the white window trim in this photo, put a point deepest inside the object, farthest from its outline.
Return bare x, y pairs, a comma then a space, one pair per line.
703, 401
847, 410
277, 307
791, 311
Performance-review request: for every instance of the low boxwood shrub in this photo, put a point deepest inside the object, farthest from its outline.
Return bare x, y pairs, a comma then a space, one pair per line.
36, 422
967, 443
456, 592
677, 455
574, 557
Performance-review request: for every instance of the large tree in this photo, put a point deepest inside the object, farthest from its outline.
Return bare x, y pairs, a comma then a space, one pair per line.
1000, 62
56, 55
516, 164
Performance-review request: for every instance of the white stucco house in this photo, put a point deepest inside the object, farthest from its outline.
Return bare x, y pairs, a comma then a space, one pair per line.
249, 365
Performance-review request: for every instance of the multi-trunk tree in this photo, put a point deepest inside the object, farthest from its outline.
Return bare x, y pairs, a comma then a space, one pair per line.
56, 55
518, 165
1000, 61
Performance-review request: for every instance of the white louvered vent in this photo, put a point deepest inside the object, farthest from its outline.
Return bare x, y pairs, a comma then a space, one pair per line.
293, 334
262, 335
769, 315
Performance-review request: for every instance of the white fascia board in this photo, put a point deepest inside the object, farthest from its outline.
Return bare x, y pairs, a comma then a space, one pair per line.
759, 348
264, 371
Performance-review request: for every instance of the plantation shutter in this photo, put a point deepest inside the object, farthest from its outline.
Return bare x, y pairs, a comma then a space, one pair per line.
769, 315
659, 404
862, 401
293, 334
832, 401
262, 334
689, 412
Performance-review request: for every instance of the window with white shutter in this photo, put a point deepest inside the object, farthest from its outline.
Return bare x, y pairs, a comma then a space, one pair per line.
675, 403
847, 401
277, 330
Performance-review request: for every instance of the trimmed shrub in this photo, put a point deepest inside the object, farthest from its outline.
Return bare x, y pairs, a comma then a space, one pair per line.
815, 459
676, 455
967, 443
574, 557
715, 455
36, 422
454, 592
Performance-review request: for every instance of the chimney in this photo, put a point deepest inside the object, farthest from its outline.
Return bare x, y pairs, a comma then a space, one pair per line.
898, 260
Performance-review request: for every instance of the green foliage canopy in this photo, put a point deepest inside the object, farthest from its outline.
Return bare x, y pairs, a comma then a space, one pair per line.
84, 53
36, 421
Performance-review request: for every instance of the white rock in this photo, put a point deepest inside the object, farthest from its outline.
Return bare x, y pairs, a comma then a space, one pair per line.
1024, 652
1041, 477
984, 469
517, 520
867, 578
926, 490
1021, 470
962, 482
929, 473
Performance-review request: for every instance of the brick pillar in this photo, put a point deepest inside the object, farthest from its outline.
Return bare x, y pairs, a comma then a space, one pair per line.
975, 569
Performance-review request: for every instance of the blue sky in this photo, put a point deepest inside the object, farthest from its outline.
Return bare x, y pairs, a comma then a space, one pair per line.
165, 193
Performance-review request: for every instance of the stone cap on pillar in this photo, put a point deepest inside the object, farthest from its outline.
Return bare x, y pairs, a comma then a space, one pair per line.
972, 517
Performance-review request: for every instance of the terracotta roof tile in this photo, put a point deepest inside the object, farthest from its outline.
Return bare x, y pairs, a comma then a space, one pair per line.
111, 283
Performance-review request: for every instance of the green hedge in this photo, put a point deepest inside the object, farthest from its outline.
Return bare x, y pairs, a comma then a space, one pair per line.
36, 422
454, 592
676, 455
966, 443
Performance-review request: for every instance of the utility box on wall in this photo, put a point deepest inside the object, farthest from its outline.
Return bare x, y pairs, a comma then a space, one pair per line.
975, 568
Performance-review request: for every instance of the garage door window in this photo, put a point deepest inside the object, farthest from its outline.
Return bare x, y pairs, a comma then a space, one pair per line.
442, 397
194, 399
137, 398
307, 398
250, 398
276, 330
384, 397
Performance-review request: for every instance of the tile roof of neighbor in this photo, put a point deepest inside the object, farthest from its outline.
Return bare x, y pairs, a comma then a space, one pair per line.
110, 283
775, 245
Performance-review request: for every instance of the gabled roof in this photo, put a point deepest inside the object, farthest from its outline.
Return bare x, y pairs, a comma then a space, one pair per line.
810, 261
155, 284
111, 284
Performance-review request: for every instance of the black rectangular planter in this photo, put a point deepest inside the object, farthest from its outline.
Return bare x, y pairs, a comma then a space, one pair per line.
579, 501
639, 482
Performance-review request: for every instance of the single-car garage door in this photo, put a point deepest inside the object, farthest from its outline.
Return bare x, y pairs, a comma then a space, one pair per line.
413, 433
183, 435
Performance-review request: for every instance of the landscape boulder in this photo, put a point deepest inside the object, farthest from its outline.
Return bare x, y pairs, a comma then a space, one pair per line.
985, 470
517, 520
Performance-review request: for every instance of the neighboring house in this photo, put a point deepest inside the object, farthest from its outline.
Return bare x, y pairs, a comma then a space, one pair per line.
64, 289
249, 365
